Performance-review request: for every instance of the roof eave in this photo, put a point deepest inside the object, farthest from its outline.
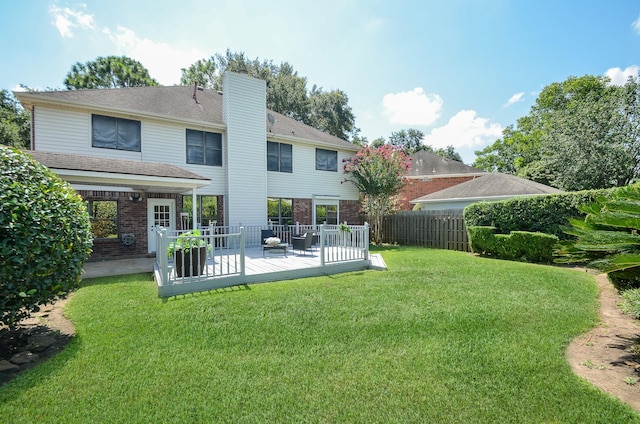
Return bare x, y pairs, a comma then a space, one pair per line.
35, 100
476, 199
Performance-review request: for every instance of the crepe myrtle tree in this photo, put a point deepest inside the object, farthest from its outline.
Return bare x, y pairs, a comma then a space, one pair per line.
45, 236
379, 174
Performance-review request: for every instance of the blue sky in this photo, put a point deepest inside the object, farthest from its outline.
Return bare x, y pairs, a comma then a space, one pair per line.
458, 70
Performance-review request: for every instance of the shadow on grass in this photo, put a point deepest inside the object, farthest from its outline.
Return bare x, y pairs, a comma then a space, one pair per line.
377, 248
42, 370
206, 293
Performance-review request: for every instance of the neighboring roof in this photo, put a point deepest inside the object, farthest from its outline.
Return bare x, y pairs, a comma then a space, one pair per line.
113, 166
488, 186
174, 103
426, 164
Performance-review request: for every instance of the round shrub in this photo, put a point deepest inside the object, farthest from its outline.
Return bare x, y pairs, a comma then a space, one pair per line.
45, 236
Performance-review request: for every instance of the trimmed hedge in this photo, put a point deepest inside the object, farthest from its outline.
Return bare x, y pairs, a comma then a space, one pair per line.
45, 236
537, 214
517, 246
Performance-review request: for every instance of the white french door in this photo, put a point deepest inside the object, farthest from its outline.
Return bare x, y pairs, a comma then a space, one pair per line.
160, 212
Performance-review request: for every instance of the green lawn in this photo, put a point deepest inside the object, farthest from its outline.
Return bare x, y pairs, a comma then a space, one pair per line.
441, 337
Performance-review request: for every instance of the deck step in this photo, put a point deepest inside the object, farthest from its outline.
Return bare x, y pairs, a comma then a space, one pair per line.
377, 262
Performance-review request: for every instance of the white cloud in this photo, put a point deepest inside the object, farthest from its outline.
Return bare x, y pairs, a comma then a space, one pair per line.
66, 19
413, 107
515, 99
619, 76
161, 59
636, 25
465, 129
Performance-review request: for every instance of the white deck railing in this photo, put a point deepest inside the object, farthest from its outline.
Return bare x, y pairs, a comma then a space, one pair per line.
226, 253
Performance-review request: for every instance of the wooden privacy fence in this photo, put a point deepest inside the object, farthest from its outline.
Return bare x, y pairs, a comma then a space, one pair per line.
443, 229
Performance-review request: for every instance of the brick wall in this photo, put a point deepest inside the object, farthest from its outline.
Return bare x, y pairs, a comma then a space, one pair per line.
350, 211
415, 188
132, 219
302, 211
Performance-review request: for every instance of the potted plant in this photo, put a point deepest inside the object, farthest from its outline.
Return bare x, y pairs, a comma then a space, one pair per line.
189, 253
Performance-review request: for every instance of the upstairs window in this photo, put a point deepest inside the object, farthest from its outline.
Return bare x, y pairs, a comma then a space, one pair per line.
204, 148
279, 157
326, 160
115, 133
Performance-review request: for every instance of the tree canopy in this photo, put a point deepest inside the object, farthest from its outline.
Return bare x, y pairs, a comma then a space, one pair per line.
108, 72
286, 91
15, 122
410, 141
582, 133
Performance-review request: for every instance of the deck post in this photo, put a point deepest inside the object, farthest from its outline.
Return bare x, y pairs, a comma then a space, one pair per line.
242, 246
161, 256
322, 235
366, 241
211, 242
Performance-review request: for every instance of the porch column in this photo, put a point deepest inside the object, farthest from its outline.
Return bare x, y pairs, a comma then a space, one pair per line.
194, 209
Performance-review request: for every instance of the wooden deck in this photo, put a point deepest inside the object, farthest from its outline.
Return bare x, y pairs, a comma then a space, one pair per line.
224, 271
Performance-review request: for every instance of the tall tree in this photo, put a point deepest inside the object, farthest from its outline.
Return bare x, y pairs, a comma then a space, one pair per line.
286, 91
448, 152
379, 174
582, 133
108, 72
203, 72
14, 122
330, 112
408, 140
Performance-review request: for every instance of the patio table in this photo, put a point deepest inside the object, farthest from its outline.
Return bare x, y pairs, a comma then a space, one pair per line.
282, 247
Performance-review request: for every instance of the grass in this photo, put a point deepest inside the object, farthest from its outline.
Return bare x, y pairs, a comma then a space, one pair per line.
440, 337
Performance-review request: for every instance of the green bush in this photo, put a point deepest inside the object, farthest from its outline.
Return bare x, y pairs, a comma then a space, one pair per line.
631, 303
45, 236
518, 245
533, 247
536, 214
481, 239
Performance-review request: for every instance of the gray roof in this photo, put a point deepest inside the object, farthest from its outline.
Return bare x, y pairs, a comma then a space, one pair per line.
173, 103
490, 185
424, 163
112, 166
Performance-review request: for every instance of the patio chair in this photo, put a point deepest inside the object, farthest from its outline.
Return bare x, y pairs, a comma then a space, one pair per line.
302, 243
265, 234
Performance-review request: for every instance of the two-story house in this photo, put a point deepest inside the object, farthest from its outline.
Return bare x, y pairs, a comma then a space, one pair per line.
175, 156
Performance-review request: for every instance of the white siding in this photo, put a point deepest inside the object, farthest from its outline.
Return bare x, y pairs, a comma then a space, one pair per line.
67, 131
62, 130
244, 111
167, 144
306, 181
